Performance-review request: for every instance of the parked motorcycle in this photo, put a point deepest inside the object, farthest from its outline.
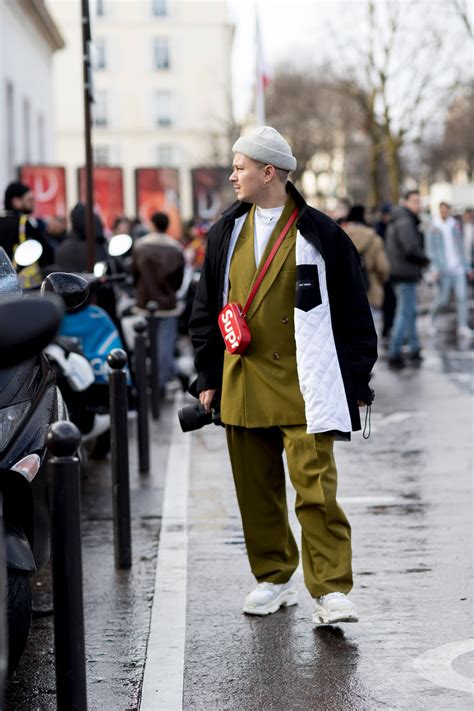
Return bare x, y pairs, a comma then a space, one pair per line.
29, 403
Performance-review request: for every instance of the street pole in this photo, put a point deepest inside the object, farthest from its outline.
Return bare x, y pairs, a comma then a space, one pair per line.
88, 98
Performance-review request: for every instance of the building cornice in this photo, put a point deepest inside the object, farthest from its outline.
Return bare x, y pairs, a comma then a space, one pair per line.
38, 12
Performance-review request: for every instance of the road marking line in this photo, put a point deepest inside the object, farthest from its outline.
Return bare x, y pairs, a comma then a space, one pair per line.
164, 668
436, 665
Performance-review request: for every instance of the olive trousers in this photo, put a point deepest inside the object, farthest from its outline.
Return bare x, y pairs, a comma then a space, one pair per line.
259, 475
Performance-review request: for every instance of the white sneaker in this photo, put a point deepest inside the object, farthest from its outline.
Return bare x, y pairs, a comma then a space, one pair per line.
269, 597
334, 607
465, 332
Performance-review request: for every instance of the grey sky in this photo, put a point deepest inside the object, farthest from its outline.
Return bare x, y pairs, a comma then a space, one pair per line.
303, 30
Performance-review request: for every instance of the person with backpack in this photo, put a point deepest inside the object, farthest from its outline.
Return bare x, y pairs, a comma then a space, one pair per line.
374, 263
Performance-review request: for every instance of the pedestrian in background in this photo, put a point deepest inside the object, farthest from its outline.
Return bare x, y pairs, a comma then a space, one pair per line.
17, 223
269, 403
449, 267
72, 253
158, 267
407, 258
389, 300
372, 253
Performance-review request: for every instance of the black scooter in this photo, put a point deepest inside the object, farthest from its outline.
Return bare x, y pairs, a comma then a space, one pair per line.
29, 403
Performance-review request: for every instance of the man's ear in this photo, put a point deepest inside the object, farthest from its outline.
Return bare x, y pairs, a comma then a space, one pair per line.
269, 172
16, 203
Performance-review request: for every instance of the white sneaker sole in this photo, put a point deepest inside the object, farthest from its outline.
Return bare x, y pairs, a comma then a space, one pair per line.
322, 617
286, 598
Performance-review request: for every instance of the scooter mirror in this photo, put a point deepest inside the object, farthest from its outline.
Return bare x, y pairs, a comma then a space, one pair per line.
26, 327
28, 252
72, 288
119, 245
99, 269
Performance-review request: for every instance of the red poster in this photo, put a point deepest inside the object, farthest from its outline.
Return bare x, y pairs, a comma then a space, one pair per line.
157, 190
108, 192
48, 183
212, 192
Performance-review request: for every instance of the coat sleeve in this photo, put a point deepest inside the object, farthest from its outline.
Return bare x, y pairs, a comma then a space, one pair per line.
381, 263
409, 242
205, 335
360, 336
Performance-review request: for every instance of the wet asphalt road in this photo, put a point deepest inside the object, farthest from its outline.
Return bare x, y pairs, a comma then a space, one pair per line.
407, 492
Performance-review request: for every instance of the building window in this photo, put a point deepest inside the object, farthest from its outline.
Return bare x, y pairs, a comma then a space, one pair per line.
27, 130
102, 155
100, 8
163, 108
41, 139
10, 126
100, 113
159, 8
165, 155
161, 55
100, 54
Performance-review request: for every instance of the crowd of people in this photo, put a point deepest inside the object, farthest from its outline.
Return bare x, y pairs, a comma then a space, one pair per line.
398, 247
302, 375
402, 246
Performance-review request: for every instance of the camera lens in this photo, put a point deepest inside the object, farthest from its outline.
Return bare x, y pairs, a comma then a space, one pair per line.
193, 417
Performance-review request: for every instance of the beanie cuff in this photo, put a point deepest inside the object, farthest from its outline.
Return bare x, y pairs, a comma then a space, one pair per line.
264, 154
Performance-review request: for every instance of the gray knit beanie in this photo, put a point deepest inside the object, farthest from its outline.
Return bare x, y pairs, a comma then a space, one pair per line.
267, 146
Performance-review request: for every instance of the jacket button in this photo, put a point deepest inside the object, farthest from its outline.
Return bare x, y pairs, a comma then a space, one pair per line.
285, 319
276, 356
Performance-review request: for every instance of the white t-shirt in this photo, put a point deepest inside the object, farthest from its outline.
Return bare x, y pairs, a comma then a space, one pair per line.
264, 224
454, 264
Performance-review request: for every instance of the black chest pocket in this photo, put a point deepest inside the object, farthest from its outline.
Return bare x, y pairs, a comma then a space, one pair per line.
308, 292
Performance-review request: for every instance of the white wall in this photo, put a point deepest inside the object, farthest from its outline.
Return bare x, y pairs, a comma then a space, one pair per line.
25, 61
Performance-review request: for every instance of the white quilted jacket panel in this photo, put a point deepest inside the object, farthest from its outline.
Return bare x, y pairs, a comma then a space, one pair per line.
319, 373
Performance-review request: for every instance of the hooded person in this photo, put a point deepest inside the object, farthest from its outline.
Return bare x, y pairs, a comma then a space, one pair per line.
71, 254
300, 381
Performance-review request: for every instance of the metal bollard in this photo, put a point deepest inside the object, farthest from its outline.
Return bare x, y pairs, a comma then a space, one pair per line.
153, 326
63, 440
117, 360
142, 397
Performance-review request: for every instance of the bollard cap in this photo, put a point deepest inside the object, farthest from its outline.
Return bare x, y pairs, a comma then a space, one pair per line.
63, 439
152, 307
117, 359
140, 326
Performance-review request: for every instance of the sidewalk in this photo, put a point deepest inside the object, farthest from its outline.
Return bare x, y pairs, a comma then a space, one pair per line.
407, 492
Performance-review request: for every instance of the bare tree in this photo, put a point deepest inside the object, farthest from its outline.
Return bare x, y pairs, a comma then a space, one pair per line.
461, 8
403, 76
303, 104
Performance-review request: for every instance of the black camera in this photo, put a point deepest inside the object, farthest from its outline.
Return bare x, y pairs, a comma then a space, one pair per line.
193, 417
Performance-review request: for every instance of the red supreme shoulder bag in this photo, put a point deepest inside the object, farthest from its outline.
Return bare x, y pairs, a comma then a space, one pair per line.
232, 319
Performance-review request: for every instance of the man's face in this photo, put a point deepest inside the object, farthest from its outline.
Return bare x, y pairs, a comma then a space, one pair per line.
247, 178
413, 203
25, 203
444, 211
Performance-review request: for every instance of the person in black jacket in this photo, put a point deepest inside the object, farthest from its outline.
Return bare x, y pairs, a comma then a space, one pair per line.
71, 254
17, 223
404, 244
299, 384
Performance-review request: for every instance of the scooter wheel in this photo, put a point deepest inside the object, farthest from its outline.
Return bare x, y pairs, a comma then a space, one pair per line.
19, 610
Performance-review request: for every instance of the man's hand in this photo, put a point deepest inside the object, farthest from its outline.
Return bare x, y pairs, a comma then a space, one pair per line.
206, 397
361, 403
